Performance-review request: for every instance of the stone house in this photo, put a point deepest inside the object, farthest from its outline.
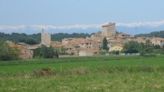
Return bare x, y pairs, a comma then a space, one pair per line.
157, 41
24, 52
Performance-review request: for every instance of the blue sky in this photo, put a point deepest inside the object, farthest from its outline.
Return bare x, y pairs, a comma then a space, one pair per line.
29, 16
69, 12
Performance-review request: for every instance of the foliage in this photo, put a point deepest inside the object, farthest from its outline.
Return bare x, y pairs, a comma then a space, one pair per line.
21, 37
105, 44
152, 34
60, 36
61, 51
115, 52
7, 53
144, 49
132, 47
45, 52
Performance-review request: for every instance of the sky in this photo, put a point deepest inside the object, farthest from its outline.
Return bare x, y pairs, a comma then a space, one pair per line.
79, 12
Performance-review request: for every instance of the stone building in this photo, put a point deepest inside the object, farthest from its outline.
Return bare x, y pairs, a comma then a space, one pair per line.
24, 52
45, 38
109, 30
81, 46
157, 41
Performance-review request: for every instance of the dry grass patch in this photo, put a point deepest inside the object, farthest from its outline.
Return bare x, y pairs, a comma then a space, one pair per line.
44, 72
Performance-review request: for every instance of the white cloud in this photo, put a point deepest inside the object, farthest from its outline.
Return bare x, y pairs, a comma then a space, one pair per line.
37, 27
76, 26
142, 24
13, 27
22, 28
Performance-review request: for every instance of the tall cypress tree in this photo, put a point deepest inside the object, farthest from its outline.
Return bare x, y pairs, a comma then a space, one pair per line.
105, 44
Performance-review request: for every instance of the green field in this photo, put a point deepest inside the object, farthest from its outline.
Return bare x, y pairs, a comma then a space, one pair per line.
84, 74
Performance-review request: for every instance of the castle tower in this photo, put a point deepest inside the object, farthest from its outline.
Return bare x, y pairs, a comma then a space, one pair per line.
109, 30
45, 38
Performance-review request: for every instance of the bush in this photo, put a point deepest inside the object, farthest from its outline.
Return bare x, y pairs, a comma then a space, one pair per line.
8, 53
45, 52
132, 47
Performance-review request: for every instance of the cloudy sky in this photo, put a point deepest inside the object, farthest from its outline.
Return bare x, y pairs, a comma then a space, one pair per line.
67, 14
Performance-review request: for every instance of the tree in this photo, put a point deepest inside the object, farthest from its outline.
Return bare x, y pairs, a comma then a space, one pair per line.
8, 53
132, 47
105, 44
143, 48
45, 52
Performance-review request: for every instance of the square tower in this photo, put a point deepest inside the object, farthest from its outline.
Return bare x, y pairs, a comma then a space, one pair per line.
109, 30
45, 38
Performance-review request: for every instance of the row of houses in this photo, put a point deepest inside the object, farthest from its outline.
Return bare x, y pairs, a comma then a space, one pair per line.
91, 45
87, 46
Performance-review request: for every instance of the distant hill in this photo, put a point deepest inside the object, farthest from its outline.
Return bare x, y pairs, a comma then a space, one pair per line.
60, 36
21, 37
152, 34
35, 38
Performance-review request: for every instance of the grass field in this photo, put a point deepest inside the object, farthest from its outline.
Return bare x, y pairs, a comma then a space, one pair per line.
84, 74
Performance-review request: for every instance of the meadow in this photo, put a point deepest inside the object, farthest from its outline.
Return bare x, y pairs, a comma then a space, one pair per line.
84, 74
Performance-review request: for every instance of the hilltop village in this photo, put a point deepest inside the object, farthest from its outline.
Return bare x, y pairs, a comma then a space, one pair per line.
89, 46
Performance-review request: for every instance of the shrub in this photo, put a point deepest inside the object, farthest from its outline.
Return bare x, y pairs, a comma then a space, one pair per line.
45, 52
7, 52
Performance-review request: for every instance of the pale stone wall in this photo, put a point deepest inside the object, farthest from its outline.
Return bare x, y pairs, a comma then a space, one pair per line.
26, 54
45, 39
109, 30
85, 53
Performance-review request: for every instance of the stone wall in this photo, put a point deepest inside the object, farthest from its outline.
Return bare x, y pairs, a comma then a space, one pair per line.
109, 30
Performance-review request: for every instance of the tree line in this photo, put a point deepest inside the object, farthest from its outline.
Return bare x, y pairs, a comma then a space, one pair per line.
152, 34
36, 38
143, 48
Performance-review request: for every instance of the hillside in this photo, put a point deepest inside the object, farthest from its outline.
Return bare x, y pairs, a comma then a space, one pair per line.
152, 34
35, 38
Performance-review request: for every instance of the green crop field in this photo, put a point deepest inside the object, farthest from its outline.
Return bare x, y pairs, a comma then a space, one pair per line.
84, 74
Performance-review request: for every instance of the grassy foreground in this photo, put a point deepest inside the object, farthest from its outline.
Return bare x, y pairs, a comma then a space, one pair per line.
84, 74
